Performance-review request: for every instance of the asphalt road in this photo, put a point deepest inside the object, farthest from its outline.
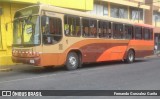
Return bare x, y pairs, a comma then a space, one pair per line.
144, 74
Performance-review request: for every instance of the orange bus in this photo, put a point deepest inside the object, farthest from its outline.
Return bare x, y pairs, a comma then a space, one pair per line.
46, 36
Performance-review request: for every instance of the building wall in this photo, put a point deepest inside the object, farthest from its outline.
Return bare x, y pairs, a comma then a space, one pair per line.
153, 15
8, 10
74, 4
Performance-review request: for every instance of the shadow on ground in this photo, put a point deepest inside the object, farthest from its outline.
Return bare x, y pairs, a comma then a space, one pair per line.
41, 70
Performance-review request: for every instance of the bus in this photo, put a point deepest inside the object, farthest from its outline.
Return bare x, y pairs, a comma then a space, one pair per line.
45, 35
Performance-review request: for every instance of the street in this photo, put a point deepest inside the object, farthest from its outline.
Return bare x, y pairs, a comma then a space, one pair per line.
141, 75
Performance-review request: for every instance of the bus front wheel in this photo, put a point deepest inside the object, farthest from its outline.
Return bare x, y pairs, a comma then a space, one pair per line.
130, 56
72, 61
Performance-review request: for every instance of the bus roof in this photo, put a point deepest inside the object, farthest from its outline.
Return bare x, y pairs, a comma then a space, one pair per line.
144, 25
82, 14
85, 14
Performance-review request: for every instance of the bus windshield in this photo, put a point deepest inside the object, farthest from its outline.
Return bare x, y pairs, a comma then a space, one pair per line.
26, 29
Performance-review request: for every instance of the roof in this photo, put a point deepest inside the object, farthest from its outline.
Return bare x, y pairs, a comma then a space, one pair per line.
82, 14
144, 25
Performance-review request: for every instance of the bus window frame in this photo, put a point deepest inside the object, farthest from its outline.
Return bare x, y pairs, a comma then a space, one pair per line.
132, 32
80, 26
108, 29
119, 32
89, 27
152, 34
144, 30
50, 35
136, 33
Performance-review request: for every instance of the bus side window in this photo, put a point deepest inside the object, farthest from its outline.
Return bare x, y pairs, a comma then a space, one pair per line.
89, 27
108, 29
151, 34
72, 25
147, 33
51, 29
117, 31
85, 23
93, 28
138, 32
128, 32
100, 29
105, 31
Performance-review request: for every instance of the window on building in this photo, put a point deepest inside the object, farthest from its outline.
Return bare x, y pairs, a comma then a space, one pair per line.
72, 26
94, 11
118, 11
89, 27
104, 29
156, 18
136, 13
128, 32
138, 32
118, 31
100, 8
105, 9
51, 29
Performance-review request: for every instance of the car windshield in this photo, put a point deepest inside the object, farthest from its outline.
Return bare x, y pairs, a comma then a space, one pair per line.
26, 30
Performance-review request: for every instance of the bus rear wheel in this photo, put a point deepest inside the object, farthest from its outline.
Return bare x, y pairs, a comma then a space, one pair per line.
72, 61
130, 56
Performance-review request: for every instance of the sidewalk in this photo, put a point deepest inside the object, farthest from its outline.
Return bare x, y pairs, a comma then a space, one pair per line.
6, 68
9, 68
154, 56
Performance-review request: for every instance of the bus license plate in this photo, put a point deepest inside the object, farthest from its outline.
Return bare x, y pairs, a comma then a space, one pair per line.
32, 61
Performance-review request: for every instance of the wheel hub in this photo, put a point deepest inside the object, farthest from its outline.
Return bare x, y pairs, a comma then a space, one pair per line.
72, 61
131, 56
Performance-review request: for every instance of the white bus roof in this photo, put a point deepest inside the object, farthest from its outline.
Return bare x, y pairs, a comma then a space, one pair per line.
79, 13
82, 14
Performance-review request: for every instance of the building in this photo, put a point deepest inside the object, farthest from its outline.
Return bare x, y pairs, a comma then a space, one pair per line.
153, 18
122, 9
133, 10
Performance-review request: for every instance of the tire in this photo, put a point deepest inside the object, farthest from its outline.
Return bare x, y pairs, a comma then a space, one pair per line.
130, 56
72, 61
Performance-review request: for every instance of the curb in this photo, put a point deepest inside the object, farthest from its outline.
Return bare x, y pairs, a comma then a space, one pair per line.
153, 56
5, 70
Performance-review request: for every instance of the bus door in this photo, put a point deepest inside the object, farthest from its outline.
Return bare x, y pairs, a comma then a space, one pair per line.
51, 27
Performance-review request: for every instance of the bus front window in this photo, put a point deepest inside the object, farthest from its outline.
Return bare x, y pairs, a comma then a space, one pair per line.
26, 31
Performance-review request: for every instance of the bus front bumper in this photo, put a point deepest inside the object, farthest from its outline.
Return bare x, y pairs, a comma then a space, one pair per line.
32, 61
